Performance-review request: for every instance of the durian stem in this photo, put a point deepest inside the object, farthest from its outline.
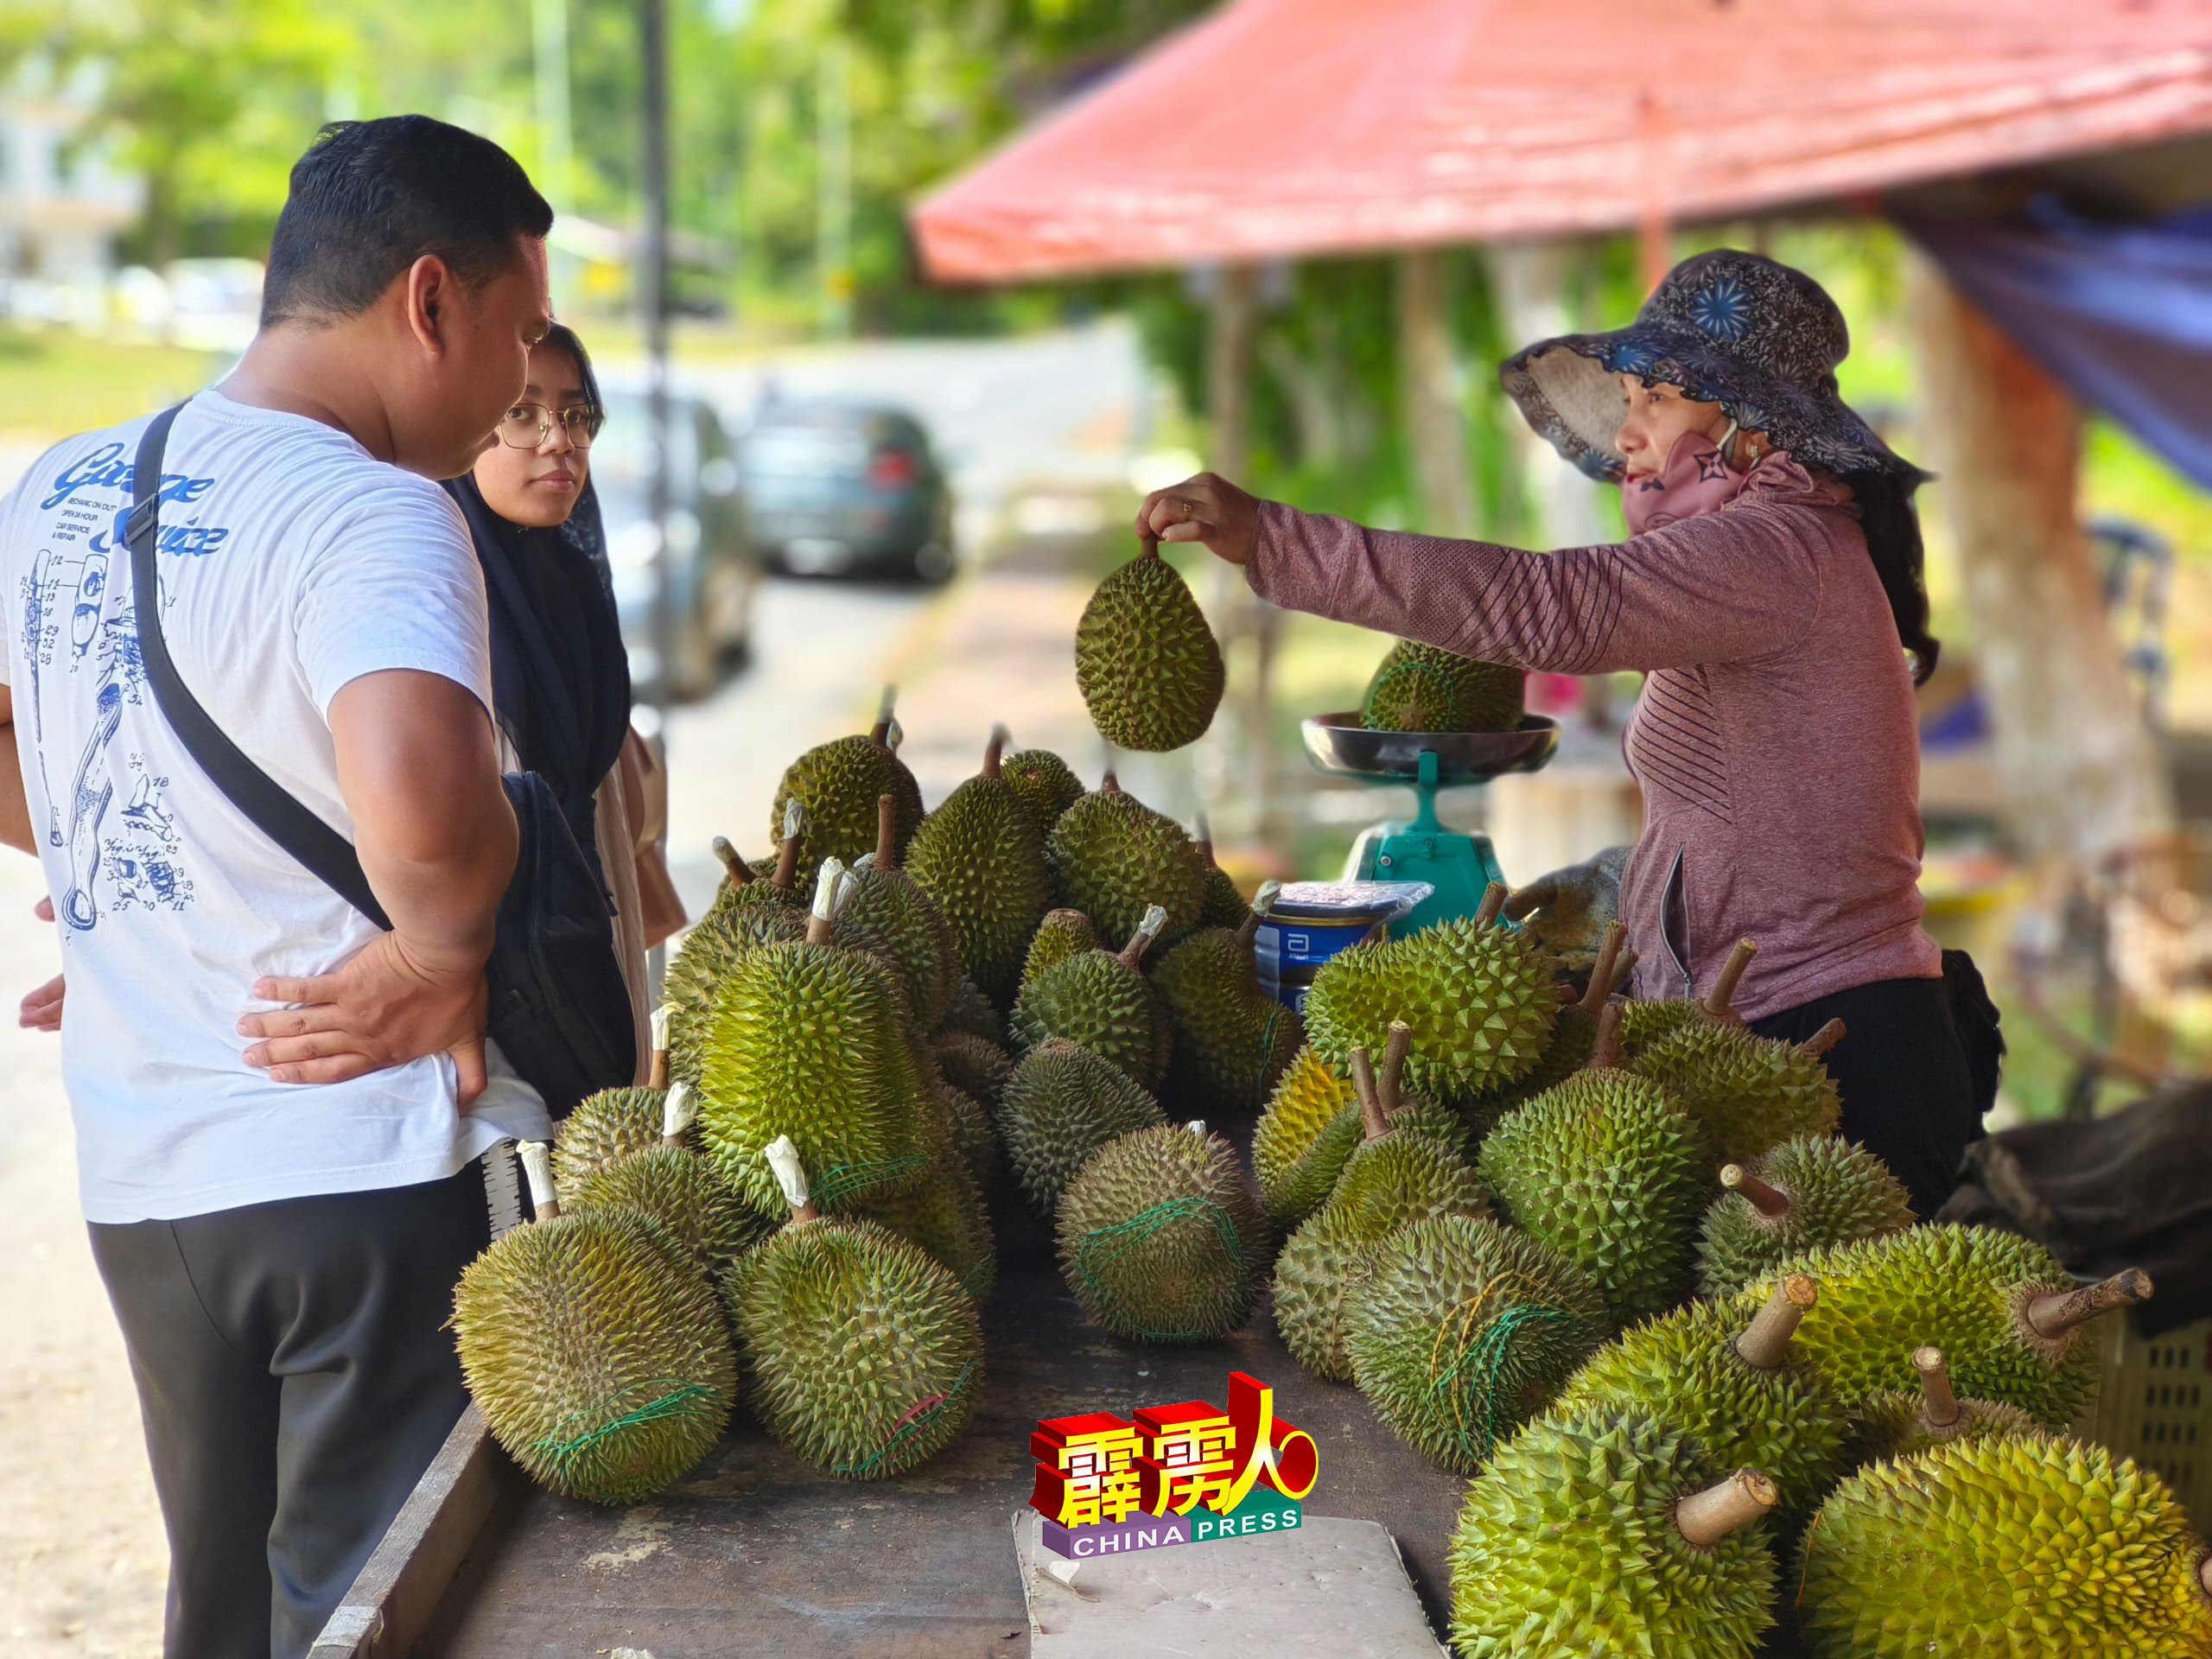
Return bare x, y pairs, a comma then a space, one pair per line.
1942, 1404
1606, 1052
1822, 1040
887, 832
1389, 1086
739, 872
656, 1076
1248, 932
2055, 1313
1765, 1346
1770, 1201
1706, 1517
994, 753
820, 929
1156, 920
1109, 784
880, 733
1371, 1115
1719, 1001
1151, 549
1203, 839
787, 862
1625, 970
1603, 976
1493, 905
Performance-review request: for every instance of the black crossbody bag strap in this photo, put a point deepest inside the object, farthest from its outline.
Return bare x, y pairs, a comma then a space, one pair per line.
266, 804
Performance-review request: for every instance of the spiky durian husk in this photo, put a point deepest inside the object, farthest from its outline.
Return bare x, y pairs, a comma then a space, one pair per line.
972, 1014
810, 1041
1645, 1022
1062, 1105
1063, 935
2014, 1547
598, 1354
1566, 1549
1388, 1183
1112, 857
1837, 1192
1746, 1094
979, 857
975, 1066
944, 1213
1417, 688
1683, 1369
839, 783
613, 1123
869, 1353
1145, 661
1573, 1039
973, 1138
1603, 1170
1233, 1041
1303, 1139
1161, 1237
708, 953
1481, 1002
1962, 1287
917, 939
1099, 1002
1223, 905
1893, 1425
681, 1191
732, 897
1463, 1329
1045, 784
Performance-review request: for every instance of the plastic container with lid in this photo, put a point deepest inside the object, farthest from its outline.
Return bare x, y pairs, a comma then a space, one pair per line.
1312, 922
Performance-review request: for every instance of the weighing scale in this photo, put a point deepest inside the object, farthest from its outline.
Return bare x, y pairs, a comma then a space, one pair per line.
1459, 864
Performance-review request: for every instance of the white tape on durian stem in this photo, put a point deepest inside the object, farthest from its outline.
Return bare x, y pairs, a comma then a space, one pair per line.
1197, 1126
864, 863
660, 1025
1264, 899
790, 1174
886, 704
1155, 918
794, 819
678, 1113
1205, 828
827, 886
537, 1166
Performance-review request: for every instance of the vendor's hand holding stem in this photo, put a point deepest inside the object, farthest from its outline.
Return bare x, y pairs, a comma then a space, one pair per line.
1207, 509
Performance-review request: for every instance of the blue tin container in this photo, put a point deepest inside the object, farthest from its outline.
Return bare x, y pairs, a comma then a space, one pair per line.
1310, 923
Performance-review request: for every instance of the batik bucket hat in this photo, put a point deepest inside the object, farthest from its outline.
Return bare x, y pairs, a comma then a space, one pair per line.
1732, 329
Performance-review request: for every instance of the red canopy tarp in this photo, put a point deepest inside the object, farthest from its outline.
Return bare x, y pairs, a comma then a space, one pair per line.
1287, 127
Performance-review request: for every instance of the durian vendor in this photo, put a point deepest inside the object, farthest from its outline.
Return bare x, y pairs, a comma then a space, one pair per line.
1770, 589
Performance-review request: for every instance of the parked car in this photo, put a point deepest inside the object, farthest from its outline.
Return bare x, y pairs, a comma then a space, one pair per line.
848, 488
714, 568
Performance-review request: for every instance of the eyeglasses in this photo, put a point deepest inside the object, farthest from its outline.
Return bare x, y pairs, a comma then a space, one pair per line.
526, 426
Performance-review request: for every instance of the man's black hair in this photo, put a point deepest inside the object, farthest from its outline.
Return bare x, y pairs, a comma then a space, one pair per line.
370, 197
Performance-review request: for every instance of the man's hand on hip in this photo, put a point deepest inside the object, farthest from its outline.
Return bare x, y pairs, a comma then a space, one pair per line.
388, 1006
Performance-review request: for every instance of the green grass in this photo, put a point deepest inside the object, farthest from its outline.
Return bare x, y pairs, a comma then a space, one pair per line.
53, 382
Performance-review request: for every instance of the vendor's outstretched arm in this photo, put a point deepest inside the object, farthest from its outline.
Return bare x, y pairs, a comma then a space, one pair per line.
1722, 587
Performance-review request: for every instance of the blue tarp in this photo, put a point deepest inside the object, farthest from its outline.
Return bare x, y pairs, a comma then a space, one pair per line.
2120, 314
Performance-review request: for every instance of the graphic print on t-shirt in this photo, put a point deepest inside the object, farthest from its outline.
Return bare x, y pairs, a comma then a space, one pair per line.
81, 640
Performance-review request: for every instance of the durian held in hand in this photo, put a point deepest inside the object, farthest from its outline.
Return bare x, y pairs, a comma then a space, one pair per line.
1419, 688
1147, 664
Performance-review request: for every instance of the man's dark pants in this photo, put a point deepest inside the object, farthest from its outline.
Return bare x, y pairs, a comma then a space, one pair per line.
294, 1381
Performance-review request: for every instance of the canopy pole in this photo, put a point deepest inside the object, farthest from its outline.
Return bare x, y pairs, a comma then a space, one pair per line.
1432, 396
1231, 335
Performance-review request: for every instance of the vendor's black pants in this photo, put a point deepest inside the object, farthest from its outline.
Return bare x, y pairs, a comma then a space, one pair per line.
294, 1384
1915, 1069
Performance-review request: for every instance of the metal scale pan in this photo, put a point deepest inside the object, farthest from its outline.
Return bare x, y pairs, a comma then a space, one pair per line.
1340, 744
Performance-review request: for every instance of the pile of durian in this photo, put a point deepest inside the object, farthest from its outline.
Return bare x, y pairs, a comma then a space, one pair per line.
1718, 1392
865, 1035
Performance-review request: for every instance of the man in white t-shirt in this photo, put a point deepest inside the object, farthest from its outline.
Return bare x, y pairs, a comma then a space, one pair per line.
278, 1107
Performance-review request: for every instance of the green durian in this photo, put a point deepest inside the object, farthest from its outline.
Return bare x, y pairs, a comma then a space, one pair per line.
978, 855
1391, 1180
1804, 1195
1604, 1536
744, 886
971, 1013
917, 937
811, 1040
611, 1124
1045, 782
596, 1350
1461, 1330
1895, 1424
944, 1213
1575, 1038
1418, 688
1101, 1001
1303, 1137
677, 1189
1733, 1383
978, 1069
869, 1353
1606, 1172
1747, 1094
1479, 997
1233, 1040
1646, 1022
973, 1139
1221, 906
839, 784
2012, 1323
1160, 1236
1062, 1105
1062, 934
1113, 858
2011, 1548
1145, 661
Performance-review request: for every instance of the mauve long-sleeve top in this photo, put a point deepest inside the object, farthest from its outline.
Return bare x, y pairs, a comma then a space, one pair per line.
1776, 742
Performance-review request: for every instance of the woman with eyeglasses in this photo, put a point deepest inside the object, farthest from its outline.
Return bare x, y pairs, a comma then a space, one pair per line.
560, 677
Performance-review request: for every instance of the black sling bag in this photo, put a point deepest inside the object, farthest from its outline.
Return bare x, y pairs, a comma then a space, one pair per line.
558, 1005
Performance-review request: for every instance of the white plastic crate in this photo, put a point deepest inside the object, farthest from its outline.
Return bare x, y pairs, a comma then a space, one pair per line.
2153, 1404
